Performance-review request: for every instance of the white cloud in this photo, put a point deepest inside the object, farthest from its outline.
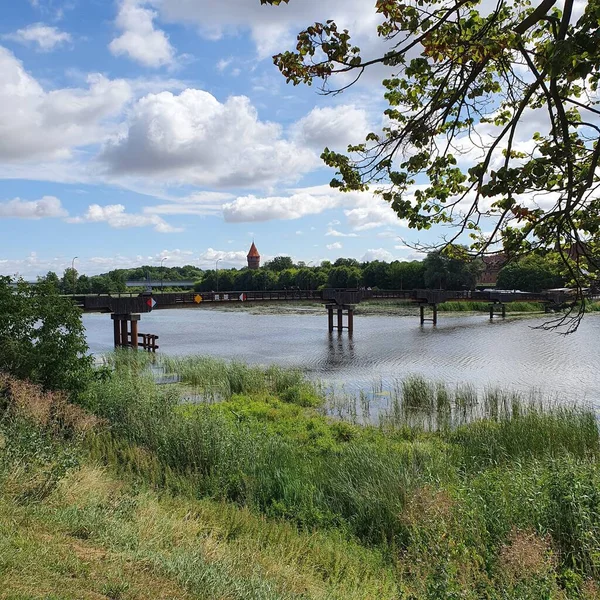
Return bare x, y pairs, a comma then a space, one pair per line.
223, 64
45, 208
334, 127
377, 254
377, 214
273, 29
364, 210
229, 258
335, 233
251, 208
334, 246
194, 138
35, 124
140, 41
46, 37
115, 216
184, 209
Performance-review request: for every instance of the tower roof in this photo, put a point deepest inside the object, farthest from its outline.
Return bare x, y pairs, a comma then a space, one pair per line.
253, 253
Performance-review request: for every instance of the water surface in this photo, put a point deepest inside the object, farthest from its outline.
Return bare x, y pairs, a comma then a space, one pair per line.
461, 349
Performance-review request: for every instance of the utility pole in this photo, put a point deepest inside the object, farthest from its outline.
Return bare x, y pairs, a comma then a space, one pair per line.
162, 272
73, 273
217, 271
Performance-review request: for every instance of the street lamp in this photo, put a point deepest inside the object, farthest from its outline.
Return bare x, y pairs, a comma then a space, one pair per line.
217, 271
162, 272
73, 272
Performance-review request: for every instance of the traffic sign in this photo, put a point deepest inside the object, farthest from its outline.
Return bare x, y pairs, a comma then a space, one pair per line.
198, 298
151, 302
242, 297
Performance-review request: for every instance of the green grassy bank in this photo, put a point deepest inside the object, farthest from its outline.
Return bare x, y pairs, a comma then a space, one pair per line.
133, 494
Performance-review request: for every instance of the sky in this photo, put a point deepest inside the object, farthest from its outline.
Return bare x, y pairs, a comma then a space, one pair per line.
134, 130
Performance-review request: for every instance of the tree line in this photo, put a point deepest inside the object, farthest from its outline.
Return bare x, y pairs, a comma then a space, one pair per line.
438, 270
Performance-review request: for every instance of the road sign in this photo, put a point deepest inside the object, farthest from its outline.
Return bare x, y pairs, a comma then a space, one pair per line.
151, 302
198, 298
242, 297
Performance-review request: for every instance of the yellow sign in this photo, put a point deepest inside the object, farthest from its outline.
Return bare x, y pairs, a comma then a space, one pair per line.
197, 298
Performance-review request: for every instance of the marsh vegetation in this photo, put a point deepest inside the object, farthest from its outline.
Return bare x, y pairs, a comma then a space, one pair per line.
259, 490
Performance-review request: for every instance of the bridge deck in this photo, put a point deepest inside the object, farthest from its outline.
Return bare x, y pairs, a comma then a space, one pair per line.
143, 303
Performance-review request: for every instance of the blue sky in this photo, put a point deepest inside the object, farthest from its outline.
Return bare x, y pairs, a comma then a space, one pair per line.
134, 130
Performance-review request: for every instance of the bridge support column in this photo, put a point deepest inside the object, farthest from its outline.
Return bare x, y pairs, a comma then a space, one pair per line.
124, 334
341, 309
434, 314
493, 309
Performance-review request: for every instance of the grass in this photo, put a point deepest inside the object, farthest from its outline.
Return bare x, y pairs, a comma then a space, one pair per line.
468, 306
262, 496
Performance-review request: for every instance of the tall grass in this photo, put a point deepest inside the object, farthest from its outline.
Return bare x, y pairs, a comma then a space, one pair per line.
214, 380
501, 499
472, 306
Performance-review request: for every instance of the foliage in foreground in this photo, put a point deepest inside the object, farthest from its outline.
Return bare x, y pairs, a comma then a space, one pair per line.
42, 338
256, 497
465, 79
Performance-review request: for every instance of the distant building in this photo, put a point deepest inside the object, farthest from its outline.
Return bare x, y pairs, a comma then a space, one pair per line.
253, 257
492, 265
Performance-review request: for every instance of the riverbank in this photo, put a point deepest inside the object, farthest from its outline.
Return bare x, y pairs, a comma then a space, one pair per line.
371, 307
259, 495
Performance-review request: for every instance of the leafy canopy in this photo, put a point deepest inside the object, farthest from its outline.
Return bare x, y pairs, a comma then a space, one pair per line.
42, 337
468, 78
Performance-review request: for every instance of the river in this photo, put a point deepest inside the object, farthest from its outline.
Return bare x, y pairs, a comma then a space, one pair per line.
469, 349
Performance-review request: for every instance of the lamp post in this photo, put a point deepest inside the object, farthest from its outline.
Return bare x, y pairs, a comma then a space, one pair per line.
162, 272
73, 272
217, 271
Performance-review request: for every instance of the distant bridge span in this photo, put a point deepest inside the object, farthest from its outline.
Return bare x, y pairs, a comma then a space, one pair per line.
127, 308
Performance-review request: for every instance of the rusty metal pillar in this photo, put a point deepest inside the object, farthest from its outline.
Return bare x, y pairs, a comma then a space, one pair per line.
330, 318
350, 320
504, 311
434, 314
491, 311
134, 332
340, 319
117, 331
124, 332
422, 309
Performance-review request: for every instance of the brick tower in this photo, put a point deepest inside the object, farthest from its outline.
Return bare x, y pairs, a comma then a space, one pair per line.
253, 257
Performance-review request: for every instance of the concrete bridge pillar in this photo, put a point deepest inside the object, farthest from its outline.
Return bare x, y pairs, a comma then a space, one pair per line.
341, 309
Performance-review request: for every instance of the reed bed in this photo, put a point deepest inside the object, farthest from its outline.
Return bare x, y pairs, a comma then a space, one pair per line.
472, 306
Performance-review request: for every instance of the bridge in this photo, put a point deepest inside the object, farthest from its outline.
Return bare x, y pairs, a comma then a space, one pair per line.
126, 309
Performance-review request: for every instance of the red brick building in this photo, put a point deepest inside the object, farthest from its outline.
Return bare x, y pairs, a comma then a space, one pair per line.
492, 265
253, 257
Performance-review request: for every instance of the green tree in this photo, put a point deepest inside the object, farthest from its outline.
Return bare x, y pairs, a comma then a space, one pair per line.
406, 275
52, 279
42, 337
346, 262
442, 270
68, 283
279, 263
532, 273
344, 277
467, 77
376, 274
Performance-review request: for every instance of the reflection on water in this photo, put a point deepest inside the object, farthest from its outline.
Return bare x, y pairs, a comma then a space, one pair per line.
384, 349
